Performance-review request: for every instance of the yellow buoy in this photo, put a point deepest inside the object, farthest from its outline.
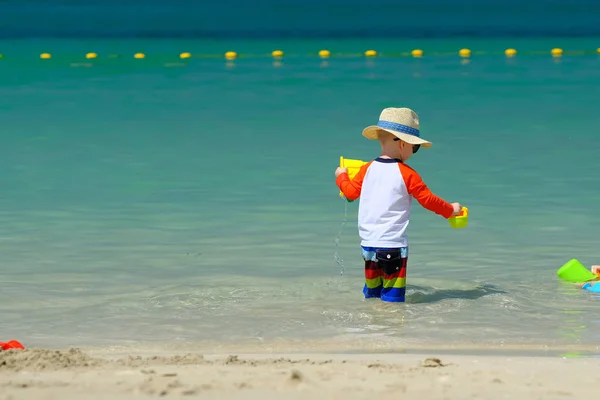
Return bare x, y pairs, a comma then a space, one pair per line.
45, 56
277, 53
139, 55
91, 55
598, 50
370, 53
185, 55
417, 53
231, 55
324, 53
510, 52
464, 52
556, 52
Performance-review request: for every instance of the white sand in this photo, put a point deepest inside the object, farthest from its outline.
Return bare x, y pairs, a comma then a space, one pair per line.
72, 374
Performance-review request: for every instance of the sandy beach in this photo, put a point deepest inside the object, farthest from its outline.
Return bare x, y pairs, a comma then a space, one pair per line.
74, 374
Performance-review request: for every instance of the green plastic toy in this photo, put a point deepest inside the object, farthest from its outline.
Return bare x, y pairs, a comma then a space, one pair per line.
461, 220
574, 271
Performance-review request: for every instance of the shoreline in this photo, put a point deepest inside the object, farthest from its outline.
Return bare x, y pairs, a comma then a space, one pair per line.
75, 374
342, 347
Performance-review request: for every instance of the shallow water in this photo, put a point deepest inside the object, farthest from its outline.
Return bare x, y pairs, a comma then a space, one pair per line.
162, 199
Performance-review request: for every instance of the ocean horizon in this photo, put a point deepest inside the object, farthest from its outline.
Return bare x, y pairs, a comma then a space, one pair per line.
300, 19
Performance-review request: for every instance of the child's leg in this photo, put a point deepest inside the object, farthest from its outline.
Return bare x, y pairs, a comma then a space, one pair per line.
393, 264
373, 274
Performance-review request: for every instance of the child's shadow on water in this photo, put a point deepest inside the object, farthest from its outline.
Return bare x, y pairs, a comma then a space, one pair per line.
423, 294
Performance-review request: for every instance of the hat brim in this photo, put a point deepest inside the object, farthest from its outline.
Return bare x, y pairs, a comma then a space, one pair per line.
372, 133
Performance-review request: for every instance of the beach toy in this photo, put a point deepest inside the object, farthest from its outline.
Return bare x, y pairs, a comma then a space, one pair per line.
352, 165
353, 168
574, 271
461, 220
595, 288
13, 344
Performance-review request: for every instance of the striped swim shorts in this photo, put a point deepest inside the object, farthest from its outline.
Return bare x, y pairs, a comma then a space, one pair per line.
385, 273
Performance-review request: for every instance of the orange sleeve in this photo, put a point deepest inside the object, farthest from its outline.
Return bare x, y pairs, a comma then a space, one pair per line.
417, 188
351, 188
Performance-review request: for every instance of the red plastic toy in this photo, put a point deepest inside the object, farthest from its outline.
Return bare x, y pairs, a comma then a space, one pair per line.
13, 344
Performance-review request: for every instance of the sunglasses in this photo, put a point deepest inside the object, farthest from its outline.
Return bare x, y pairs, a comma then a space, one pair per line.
416, 147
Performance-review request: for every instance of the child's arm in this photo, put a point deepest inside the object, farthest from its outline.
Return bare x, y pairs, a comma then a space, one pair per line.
417, 188
350, 188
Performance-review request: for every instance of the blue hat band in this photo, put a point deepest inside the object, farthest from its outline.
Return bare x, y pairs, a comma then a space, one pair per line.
398, 127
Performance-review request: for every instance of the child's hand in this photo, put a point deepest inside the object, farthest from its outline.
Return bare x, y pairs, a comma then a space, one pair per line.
457, 207
596, 269
340, 171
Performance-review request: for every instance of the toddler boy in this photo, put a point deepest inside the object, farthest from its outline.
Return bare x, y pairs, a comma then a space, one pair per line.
386, 187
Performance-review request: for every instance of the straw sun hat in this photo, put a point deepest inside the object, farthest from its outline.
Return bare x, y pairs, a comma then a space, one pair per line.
400, 122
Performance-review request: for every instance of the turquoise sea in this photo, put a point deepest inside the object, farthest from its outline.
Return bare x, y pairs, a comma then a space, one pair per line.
162, 200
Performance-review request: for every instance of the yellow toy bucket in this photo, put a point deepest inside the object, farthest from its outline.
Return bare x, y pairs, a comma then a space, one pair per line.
353, 167
461, 220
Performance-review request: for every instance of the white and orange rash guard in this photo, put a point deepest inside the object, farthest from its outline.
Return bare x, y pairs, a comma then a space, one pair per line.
386, 188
